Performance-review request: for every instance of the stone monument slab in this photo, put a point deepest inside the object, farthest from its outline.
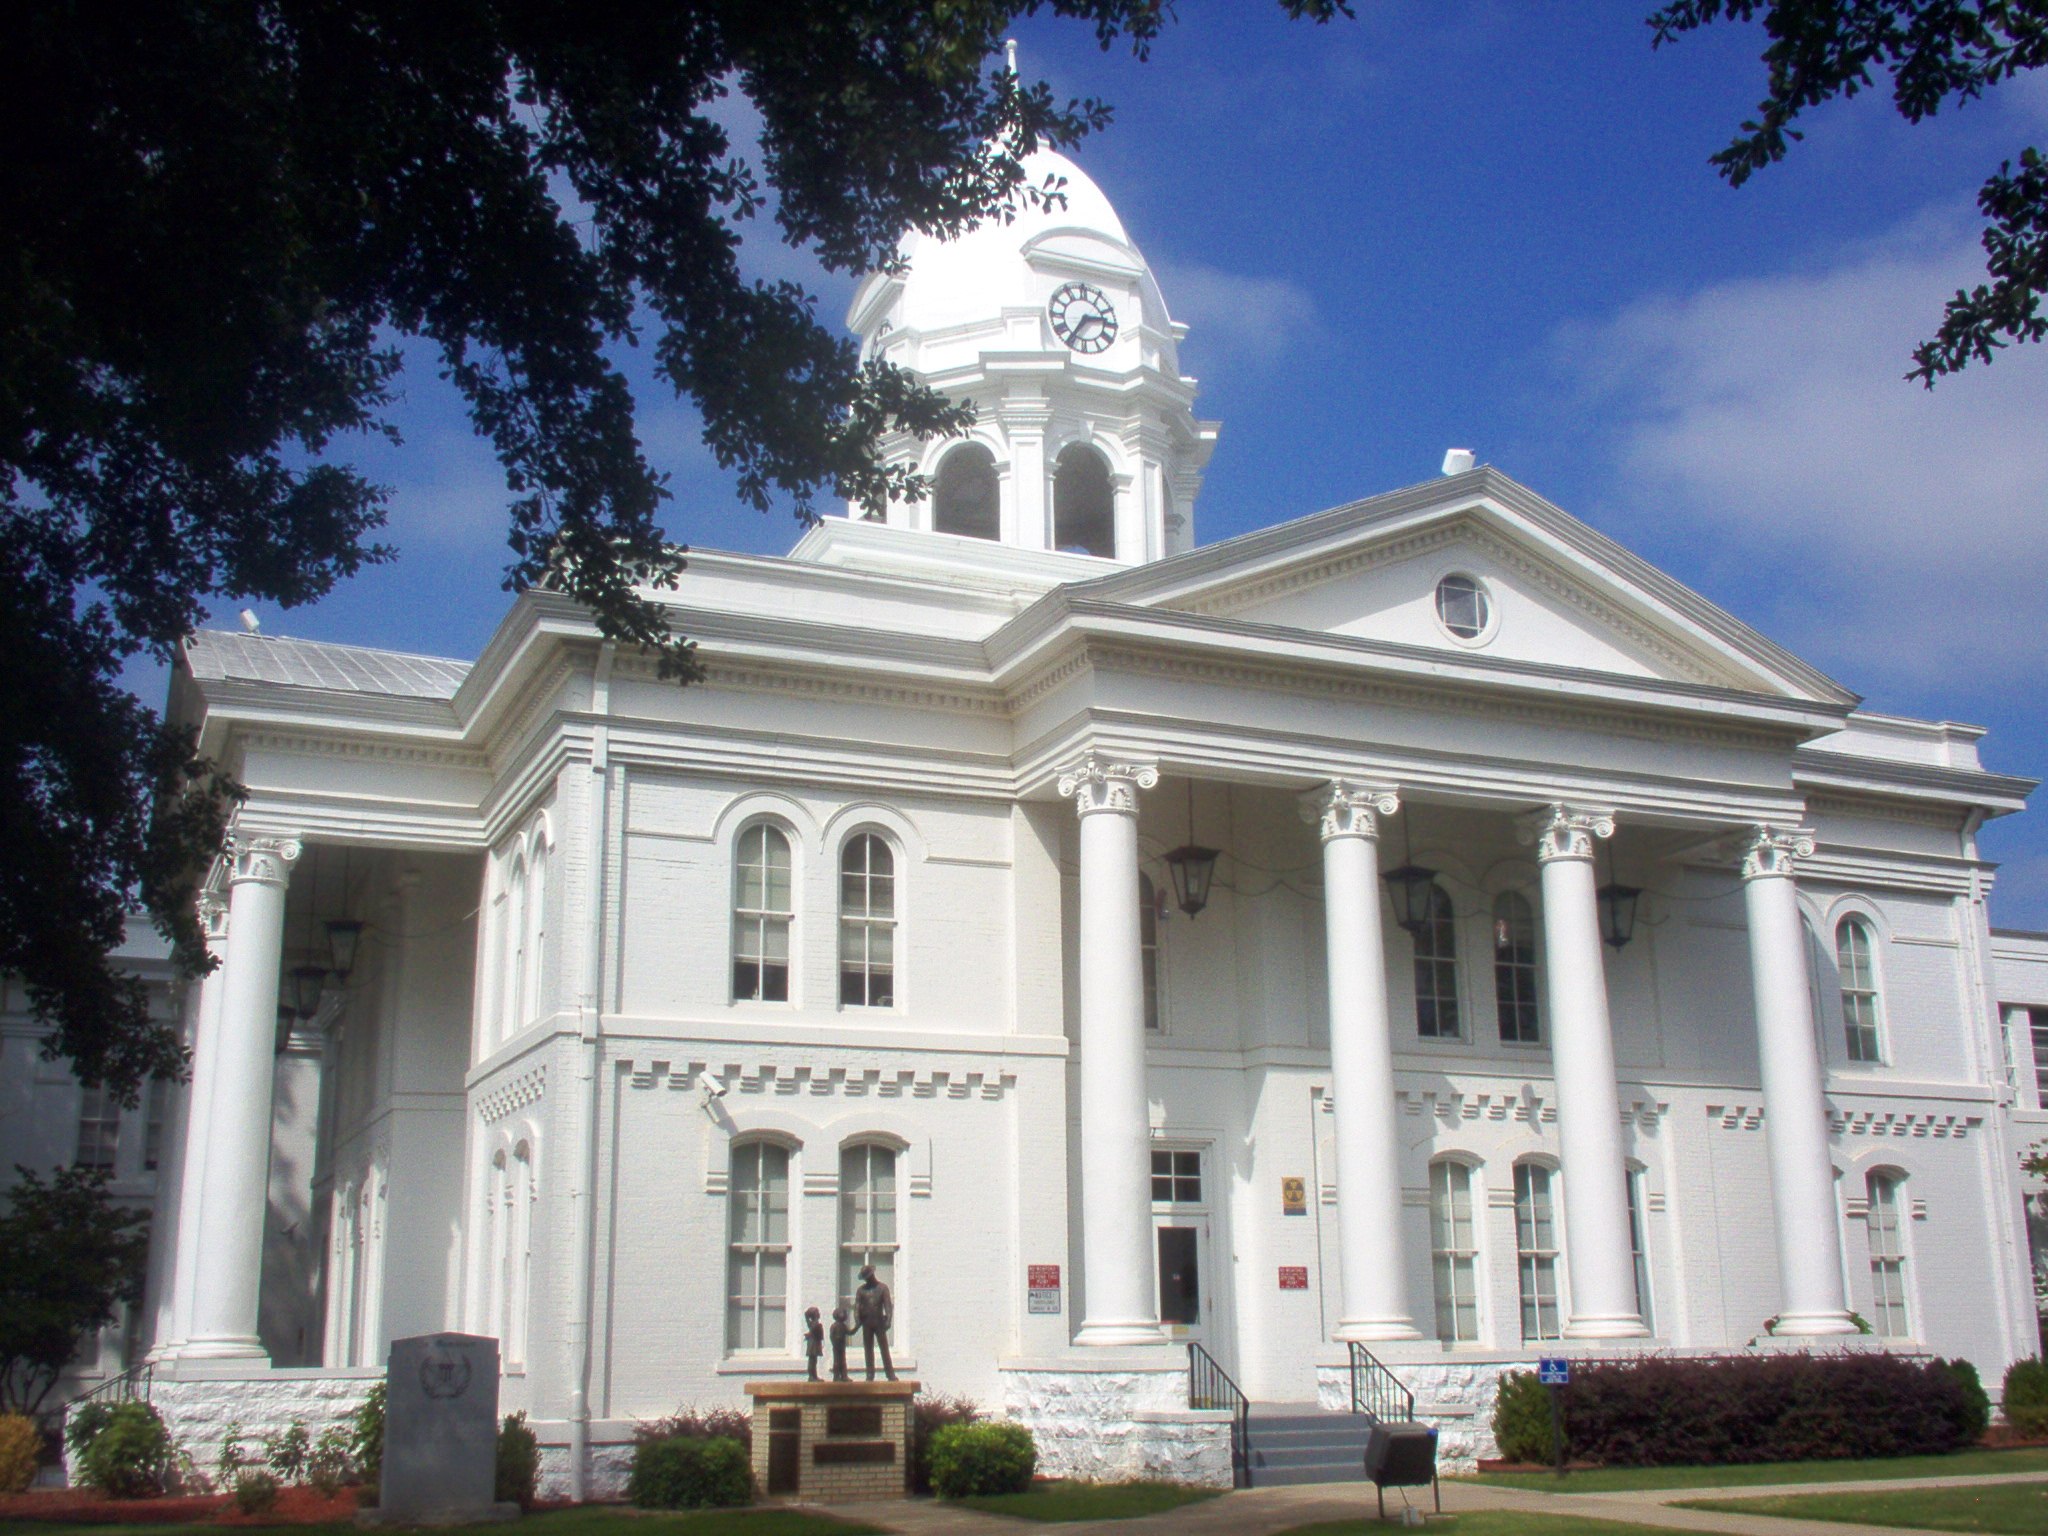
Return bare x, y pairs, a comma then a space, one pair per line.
441, 1432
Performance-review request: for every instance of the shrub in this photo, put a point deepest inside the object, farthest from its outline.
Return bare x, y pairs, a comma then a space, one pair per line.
970, 1459
929, 1415
1521, 1419
255, 1490
231, 1458
701, 1424
329, 1467
286, 1451
82, 1425
1660, 1412
366, 1438
21, 1444
2026, 1396
1976, 1401
130, 1456
684, 1472
518, 1462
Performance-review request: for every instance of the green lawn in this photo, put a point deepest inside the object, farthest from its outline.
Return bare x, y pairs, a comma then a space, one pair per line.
2021, 1508
1756, 1474
601, 1521
1487, 1522
1089, 1501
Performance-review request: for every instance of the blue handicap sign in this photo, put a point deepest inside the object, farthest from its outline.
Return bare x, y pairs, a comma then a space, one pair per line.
1553, 1372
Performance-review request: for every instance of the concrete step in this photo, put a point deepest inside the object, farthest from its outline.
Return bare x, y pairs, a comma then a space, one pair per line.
1333, 1441
1309, 1456
1281, 1477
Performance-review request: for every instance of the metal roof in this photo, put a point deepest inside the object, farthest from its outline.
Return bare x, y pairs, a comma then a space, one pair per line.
244, 658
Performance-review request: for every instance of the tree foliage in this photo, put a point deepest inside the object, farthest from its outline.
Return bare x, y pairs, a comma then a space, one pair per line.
1936, 53
218, 218
73, 1256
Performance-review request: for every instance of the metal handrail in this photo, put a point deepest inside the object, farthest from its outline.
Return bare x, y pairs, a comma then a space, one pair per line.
1376, 1391
130, 1386
1210, 1386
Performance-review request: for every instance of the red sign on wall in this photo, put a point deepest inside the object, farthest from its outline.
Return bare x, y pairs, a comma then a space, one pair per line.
1293, 1277
1042, 1277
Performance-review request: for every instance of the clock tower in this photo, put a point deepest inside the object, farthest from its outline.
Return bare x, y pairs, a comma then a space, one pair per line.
1053, 326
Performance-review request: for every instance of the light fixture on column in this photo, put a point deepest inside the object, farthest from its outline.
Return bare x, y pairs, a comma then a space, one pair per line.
307, 981
342, 935
1191, 866
1410, 884
1617, 907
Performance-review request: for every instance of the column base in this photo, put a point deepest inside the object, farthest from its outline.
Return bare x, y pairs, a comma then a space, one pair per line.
250, 1348
1807, 1325
1619, 1325
1118, 1332
1370, 1330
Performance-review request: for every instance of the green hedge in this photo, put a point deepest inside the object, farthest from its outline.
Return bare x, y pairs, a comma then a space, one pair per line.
518, 1462
970, 1459
1663, 1412
686, 1473
121, 1449
2026, 1396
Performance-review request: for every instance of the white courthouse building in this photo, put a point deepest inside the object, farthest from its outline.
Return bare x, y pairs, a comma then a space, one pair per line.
1579, 971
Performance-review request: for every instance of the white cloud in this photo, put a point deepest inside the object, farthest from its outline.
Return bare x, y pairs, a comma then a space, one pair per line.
1235, 316
1900, 534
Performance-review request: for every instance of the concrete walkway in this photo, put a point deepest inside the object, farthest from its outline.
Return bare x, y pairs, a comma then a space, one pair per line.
1264, 1511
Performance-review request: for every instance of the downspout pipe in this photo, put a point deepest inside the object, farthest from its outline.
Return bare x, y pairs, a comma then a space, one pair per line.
589, 1050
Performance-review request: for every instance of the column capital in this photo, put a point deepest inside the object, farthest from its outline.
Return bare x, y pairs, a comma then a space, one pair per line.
1098, 784
1342, 808
213, 915
264, 860
1562, 831
1769, 851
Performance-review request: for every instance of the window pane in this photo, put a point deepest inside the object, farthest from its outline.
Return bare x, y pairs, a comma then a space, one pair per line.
1436, 971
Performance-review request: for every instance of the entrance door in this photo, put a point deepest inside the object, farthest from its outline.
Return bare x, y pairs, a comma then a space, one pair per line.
1180, 1238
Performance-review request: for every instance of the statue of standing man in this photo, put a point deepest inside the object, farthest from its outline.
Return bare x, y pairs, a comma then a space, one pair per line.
874, 1310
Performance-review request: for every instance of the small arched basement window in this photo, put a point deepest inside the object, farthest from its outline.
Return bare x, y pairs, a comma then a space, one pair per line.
964, 499
1083, 503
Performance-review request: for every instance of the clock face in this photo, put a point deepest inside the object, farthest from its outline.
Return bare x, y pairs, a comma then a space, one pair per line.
1082, 317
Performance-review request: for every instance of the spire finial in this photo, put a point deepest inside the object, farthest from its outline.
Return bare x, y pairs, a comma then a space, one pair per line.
1010, 56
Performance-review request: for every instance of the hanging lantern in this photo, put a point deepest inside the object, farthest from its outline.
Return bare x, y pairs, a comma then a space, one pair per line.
1410, 888
307, 981
1618, 912
342, 935
1192, 868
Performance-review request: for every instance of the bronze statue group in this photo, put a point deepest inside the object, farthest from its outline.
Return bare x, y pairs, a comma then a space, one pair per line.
874, 1313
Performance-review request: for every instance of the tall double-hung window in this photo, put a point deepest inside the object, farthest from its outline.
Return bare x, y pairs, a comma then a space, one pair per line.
1536, 1250
1436, 969
1454, 1252
761, 915
1855, 961
1887, 1259
867, 923
867, 1217
1514, 969
757, 1253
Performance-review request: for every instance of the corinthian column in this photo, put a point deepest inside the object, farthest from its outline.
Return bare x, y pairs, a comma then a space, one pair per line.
186, 1172
1603, 1300
1795, 1111
1375, 1302
235, 1179
1116, 1161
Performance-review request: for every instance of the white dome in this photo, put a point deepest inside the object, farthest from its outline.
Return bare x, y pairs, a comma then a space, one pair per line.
1007, 267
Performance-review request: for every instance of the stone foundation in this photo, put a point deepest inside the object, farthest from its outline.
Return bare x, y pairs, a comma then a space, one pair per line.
1116, 1419
199, 1403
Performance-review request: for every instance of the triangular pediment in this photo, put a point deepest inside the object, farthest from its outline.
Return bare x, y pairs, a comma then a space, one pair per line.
1555, 593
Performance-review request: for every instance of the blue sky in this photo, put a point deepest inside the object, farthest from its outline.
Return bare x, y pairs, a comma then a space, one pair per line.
1494, 225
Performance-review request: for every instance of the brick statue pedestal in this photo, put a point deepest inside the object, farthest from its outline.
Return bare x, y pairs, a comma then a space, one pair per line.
832, 1441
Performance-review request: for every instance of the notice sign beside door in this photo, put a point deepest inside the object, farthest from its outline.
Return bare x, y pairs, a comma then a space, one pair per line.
1293, 1277
1293, 1195
1042, 1288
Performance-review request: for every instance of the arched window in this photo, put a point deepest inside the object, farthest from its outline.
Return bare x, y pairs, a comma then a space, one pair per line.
1887, 1258
536, 932
1856, 963
515, 970
1083, 503
1454, 1252
964, 499
519, 1256
867, 1218
498, 1240
761, 914
757, 1265
1639, 1240
867, 923
1436, 969
1148, 946
1536, 1251
1514, 968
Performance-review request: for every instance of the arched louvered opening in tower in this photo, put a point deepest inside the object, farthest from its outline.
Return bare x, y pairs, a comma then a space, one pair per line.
964, 498
1083, 503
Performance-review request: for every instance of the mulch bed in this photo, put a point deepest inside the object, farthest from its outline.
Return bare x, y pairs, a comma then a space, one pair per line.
81, 1506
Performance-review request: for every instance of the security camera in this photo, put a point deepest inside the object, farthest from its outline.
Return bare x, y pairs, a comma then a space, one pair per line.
713, 1088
